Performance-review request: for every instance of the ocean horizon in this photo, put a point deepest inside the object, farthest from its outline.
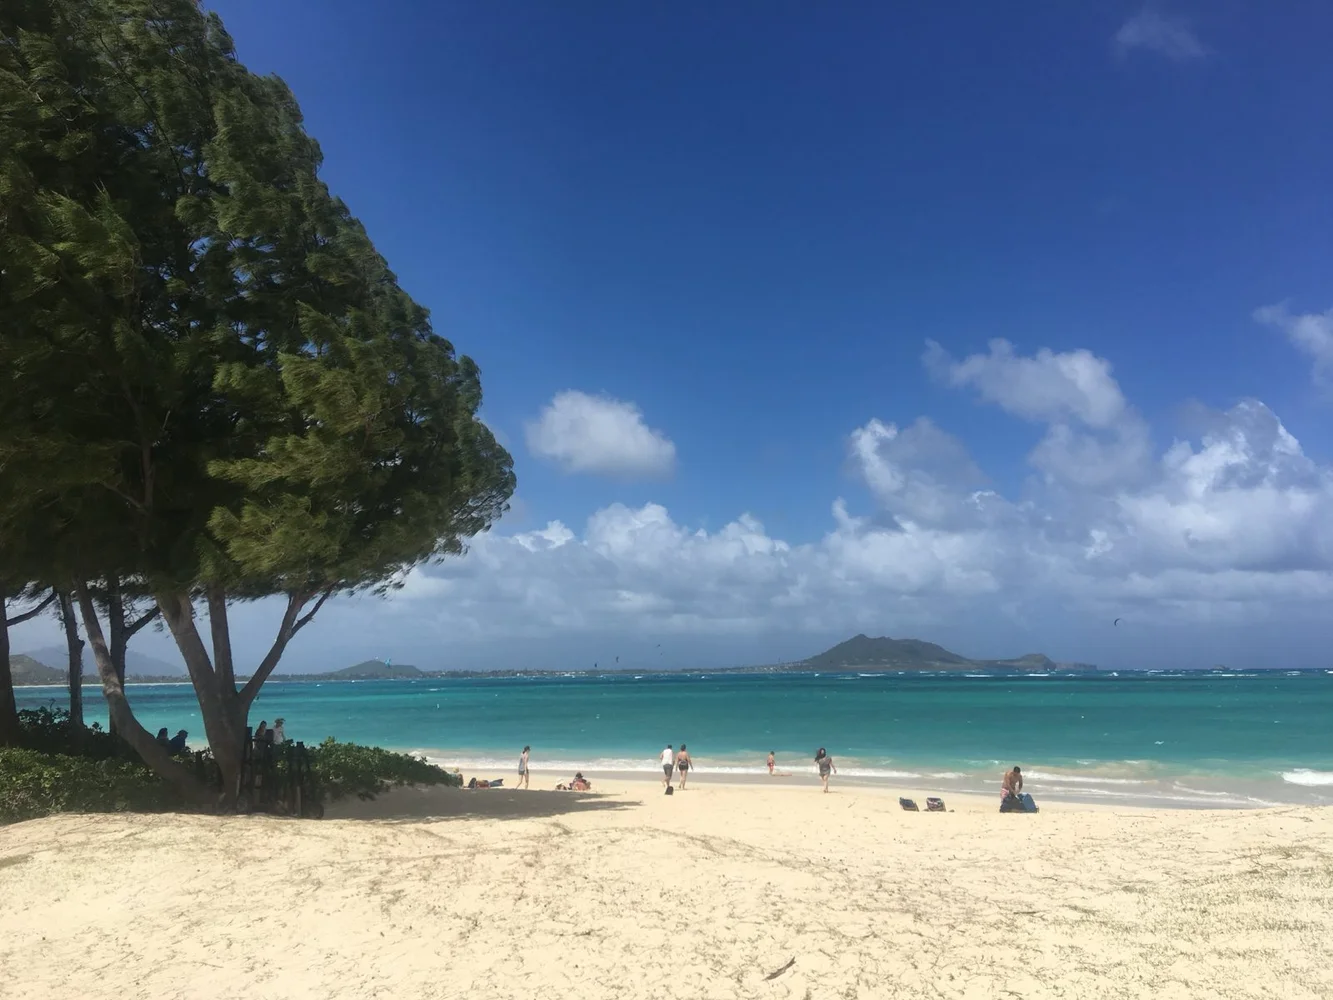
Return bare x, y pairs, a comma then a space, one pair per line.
1165, 738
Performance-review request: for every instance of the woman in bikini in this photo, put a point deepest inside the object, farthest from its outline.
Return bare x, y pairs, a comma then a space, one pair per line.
772, 762
683, 765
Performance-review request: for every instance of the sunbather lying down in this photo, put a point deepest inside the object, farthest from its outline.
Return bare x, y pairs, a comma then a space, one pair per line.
579, 784
493, 783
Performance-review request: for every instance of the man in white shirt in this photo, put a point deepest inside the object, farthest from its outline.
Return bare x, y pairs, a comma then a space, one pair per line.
668, 760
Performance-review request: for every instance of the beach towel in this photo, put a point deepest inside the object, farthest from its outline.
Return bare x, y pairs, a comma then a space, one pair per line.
909, 805
934, 805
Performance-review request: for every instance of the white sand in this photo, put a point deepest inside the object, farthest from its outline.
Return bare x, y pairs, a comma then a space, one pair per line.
628, 893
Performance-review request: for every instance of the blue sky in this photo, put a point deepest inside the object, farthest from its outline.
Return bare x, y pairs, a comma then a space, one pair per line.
701, 252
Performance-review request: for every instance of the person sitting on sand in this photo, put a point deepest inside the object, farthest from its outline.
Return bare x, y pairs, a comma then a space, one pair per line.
1011, 786
772, 762
683, 765
825, 764
177, 742
579, 784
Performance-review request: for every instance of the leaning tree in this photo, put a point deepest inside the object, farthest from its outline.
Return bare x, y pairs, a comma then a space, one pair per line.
241, 400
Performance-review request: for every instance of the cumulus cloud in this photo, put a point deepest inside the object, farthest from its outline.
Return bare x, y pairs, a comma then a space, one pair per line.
600, 435
1094, 437
1155, 32
1310, 333
1236, 522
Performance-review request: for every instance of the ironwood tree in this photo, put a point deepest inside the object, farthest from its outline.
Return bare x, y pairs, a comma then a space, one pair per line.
220, 392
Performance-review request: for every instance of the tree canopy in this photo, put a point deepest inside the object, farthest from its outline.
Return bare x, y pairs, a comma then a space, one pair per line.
212, 386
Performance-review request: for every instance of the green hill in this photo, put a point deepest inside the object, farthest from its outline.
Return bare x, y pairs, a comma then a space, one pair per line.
28, 672
861, 652
370, 670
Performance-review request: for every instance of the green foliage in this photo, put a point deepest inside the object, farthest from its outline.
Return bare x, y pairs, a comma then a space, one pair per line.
34, 784
59, 768
343, 769
210, 380
48, 730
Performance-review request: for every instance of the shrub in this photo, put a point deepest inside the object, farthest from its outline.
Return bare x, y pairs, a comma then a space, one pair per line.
34, 784
48, 730
342, 769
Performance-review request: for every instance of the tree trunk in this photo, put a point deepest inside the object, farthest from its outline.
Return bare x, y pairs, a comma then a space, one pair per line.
9, 716
115, 626
153, 753
75, 646
220, 705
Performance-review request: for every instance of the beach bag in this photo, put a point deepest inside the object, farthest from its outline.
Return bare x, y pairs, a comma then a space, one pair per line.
934, 805
670, 790
909, 805
1028, 805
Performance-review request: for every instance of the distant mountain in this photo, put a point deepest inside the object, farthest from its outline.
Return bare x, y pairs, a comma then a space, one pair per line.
28, 671
369, 670
861, 652
136, 664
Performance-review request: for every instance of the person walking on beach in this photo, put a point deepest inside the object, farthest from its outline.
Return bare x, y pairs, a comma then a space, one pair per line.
772, 763
683, 765
825, 764
523, 768
668, 761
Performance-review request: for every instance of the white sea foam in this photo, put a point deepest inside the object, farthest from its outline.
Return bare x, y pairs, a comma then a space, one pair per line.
1080, 779
949, 775
1305, 776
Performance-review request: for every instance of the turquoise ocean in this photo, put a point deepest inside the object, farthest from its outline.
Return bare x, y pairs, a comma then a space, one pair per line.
1162, 738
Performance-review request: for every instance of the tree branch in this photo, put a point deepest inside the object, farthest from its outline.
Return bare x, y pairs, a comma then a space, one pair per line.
130, 630
221, 631
295, 602
305, 619
32, 613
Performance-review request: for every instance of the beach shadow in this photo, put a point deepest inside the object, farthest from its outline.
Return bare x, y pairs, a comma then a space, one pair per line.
437, 802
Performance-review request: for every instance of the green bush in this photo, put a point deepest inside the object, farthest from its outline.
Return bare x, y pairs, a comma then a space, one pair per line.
48, 730
60, 768
36, 784
342, 769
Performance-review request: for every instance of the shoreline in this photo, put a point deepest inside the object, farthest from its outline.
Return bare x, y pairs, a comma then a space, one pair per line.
1045, 784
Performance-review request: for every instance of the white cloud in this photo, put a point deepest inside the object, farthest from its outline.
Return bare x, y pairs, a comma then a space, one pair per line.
1094, 437
1237, 523
1154, 32
598, 434
1311, 333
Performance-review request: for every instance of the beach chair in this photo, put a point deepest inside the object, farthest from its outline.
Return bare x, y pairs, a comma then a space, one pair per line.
908, 805
934, 805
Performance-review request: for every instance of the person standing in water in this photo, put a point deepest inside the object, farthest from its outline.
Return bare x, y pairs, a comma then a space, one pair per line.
523, 768
668, 762
683, 765
825, 764
772, 763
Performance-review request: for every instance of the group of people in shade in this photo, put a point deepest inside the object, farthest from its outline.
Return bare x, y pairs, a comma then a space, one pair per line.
675, 761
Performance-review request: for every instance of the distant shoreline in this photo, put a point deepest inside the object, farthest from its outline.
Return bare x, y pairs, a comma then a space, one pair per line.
556, 674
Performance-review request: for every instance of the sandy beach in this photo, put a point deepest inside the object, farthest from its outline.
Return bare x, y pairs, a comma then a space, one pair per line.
721, 891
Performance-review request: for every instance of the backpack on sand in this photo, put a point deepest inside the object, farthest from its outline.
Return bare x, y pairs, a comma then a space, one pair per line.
670, 790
